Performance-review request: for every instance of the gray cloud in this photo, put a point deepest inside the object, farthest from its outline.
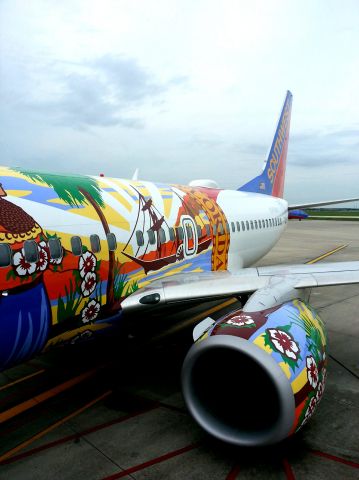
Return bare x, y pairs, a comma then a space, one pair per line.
321, 148
104, 92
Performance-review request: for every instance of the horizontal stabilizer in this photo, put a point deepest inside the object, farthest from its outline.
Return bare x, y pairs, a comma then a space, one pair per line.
321, 204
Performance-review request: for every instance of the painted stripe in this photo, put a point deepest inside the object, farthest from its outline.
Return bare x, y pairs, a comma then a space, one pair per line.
328, 456
327, 254
289, 474
74, 436
154, 461
233, 474
22, 379
22, 445
52, 392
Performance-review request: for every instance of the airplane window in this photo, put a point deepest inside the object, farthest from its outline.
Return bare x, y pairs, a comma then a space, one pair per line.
140, 239
214, 229
5, 255
112, 243
151, 236
171, 233
55, 248
180, 233
251, 224
162, 235
247, 225
227, 226
243, 226
76, 246
208, 229
255, 224
95, 243
239, 226
220, 229
266, 222
233, 227
31, 251
189, 232
199, 231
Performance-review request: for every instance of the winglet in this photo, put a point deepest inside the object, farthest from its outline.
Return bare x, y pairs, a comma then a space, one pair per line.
271, 180
135, 174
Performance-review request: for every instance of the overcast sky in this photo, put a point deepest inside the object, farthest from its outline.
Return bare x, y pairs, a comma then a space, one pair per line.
182, 89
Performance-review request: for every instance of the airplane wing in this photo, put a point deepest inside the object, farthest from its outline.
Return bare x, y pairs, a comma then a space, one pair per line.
186, 287
321, 204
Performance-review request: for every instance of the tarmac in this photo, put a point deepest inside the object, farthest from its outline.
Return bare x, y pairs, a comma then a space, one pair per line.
115, 410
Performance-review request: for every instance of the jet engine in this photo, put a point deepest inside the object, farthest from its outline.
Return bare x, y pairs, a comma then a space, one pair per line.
255, 378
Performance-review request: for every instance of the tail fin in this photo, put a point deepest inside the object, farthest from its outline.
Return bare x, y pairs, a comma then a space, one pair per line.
271, 180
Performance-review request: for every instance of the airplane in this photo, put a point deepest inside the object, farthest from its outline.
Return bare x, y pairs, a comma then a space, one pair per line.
297, 215
79, 252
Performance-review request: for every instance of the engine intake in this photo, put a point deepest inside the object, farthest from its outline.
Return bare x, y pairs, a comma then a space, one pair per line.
253, 379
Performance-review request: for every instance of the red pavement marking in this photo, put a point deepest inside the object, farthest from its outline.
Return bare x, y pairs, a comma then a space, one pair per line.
75, 436
328, 456
289, 474
233, 473
154, 461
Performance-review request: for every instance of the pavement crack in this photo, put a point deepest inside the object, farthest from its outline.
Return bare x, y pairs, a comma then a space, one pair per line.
103, 453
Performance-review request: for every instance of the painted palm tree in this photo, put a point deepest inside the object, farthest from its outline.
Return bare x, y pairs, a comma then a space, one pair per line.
76, 191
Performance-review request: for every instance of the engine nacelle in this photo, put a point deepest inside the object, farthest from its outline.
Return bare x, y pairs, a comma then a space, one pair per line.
255, 378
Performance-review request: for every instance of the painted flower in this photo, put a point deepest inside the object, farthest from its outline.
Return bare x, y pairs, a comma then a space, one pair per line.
22, 266
43, 260
284, 343
320, 391
312, 371
88, 284
91, 311
310, 410
87, 263
240, 321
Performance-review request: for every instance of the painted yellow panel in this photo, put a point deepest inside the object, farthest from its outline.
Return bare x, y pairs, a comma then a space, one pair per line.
285, 367
112, 216
58, 201
19, 193
259, 341
300, 381
120, 198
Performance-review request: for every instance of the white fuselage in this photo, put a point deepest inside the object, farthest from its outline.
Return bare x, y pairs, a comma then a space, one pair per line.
249, 245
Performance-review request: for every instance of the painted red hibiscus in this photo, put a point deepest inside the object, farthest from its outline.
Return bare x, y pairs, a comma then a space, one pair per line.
43, 260
87, 263
312, 371
88, 284
310, 410
240, 320
320, 391
22, 266
284, 343
91, 311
